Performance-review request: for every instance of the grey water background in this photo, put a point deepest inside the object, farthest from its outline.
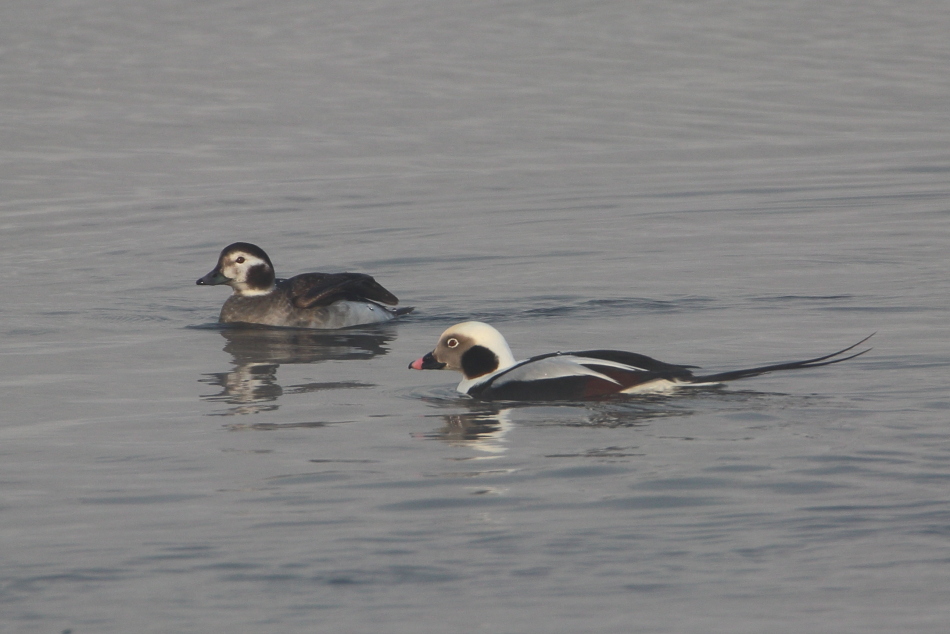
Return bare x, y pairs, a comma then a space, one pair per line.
723, 184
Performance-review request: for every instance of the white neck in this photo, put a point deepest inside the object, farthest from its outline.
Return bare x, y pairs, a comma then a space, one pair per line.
252, 292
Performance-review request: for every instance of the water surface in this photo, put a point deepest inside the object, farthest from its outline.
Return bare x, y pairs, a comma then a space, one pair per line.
721, 184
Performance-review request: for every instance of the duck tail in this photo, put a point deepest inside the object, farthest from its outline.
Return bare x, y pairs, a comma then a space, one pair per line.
828, 359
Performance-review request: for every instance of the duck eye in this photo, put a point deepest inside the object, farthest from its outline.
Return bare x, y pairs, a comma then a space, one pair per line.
452, 343
240, 260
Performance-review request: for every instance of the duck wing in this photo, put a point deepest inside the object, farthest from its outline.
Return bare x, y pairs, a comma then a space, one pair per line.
322, 289
577, 376
633, 361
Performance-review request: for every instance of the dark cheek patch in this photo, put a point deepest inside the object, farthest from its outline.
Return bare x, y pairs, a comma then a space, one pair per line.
478, 361
260, 277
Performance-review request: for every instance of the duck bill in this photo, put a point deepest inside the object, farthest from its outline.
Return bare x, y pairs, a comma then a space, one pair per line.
212, 279
427, 362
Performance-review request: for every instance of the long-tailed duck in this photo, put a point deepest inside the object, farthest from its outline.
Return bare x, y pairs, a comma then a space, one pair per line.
490, 371
310, 300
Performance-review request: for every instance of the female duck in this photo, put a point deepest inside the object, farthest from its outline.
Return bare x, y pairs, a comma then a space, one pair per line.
310, 300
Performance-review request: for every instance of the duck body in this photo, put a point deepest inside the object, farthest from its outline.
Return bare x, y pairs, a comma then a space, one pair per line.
491, 373
311, 300
578, 376
278, 309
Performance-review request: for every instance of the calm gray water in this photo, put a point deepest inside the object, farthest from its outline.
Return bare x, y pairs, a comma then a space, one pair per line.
721, 184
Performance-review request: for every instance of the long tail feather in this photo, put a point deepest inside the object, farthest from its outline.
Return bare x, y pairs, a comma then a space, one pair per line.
791, 365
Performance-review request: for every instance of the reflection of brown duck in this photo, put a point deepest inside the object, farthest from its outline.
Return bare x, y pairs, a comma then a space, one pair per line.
279, 345
249, 386
312, 300
257, 352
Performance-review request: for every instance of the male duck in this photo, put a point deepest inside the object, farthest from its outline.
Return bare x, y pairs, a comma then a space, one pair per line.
490, 371
310, 300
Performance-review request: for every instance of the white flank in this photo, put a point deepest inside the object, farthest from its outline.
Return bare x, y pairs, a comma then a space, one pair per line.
657, 386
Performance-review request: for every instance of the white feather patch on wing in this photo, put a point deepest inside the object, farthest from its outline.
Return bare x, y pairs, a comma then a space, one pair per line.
552, 368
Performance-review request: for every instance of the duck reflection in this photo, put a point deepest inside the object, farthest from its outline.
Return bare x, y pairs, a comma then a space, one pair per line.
484, 427
257, 352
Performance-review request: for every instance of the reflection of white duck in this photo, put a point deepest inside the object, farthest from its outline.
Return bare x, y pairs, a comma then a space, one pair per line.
483, 431
310, 300
490, 371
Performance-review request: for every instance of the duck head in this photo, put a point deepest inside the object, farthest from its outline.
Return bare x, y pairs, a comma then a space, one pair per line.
245, 268
473, 348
